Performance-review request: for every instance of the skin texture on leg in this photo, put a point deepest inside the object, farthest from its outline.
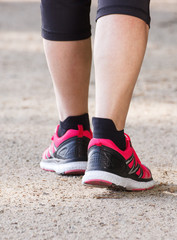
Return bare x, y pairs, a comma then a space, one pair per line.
120, 44
69, 65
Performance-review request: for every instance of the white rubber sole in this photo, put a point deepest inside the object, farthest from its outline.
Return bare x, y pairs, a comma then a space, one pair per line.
105, 179
66, 168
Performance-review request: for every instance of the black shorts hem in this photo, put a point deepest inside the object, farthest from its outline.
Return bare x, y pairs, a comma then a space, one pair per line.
126, 11
54, 36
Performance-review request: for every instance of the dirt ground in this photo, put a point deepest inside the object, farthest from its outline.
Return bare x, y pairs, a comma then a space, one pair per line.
35, 204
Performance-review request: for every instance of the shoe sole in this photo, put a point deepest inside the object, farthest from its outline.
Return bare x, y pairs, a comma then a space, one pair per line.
72, 168
115, 182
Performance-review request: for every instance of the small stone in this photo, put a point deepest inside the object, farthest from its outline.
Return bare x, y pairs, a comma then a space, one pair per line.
45, 193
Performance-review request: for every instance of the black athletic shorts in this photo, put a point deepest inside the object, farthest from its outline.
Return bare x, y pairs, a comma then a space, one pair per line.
69, 20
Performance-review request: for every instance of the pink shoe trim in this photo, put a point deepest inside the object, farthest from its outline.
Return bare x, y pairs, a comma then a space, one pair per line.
136, 157
48, 153
75, 171
88, 134
108, 143
131, 164
81, 131
53, 149
57, 129
138, 172
69, 134
146, 172
98, 182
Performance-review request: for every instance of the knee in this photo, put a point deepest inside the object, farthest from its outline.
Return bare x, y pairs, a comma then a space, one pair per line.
65, 20
136, 8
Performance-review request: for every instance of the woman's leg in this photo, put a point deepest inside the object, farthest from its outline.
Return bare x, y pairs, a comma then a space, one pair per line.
67, 45
120, 44
69, 64
66, 33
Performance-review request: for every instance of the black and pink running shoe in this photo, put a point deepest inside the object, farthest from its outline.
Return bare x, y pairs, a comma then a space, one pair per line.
108, 166
67, 154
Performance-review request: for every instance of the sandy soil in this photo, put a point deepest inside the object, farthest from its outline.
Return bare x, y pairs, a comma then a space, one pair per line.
35, 204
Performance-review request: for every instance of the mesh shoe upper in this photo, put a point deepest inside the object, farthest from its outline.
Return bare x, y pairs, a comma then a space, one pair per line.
104, 155
72, 144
